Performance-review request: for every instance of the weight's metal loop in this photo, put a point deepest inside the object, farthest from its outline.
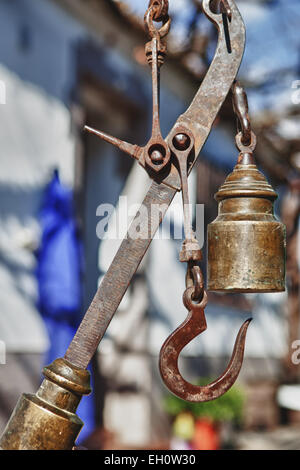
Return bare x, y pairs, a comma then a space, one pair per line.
245, 148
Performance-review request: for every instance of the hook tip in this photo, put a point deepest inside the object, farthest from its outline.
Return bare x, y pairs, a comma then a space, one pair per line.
241, 337
89, 129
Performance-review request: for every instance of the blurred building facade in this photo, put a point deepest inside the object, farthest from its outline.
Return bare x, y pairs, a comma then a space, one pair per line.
65, 64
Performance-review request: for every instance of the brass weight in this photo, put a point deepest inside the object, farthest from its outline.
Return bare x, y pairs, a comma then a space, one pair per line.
47, 420
246, 243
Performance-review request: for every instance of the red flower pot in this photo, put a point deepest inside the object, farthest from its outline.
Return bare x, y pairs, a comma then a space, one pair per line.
206, 437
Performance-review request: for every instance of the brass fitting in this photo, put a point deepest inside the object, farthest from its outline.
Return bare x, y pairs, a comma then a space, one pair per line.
47, 420
246, 243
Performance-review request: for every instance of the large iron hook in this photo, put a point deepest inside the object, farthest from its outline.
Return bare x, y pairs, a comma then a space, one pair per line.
194, 325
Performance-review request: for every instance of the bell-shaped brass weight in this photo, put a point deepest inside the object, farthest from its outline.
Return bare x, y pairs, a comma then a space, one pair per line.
246, 243
47, 420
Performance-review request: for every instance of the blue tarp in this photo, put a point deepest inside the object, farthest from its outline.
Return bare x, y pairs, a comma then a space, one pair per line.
59, 273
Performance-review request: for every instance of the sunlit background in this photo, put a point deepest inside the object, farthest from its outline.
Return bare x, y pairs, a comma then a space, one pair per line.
67, 63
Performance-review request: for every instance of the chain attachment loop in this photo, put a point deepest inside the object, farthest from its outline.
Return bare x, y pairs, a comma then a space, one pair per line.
150, 17
241, 110
250, 147
194, 279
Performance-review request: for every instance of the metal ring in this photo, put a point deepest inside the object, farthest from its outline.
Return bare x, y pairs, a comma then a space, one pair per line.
152, 31
198, 284
241, 109
190, 304
194, 279
245, 148
161, 9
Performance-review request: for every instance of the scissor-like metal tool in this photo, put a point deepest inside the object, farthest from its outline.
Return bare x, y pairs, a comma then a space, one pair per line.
168, 163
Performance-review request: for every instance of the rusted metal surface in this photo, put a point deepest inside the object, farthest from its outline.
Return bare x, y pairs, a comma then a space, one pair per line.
168, 161
194, 278
200, 115
195, 301
160, 8
156, 153
241, 109
116, 281
197, 120
225, 9
202, 112
193, 326
246, 243
181, 147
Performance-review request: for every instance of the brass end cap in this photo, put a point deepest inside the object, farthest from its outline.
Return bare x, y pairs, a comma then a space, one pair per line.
68, 376
246, 181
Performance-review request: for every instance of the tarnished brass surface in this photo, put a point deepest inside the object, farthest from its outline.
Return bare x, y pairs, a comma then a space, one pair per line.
47, 420
246, 243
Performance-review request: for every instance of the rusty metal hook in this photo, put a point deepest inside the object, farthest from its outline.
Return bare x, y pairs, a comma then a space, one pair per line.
194, 325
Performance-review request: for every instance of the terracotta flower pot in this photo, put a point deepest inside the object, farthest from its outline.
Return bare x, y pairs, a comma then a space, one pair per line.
206, 436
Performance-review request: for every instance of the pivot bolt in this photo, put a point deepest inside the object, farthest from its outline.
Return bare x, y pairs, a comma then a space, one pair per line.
181, 141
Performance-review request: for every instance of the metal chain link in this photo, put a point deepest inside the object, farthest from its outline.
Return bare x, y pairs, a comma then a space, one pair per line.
241, 110
194, 279
161, 9
157, 11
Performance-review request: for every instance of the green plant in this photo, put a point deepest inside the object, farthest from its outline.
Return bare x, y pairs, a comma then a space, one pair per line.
228, 407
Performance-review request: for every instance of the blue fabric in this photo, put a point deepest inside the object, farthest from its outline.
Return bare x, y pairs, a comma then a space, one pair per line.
59, 272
